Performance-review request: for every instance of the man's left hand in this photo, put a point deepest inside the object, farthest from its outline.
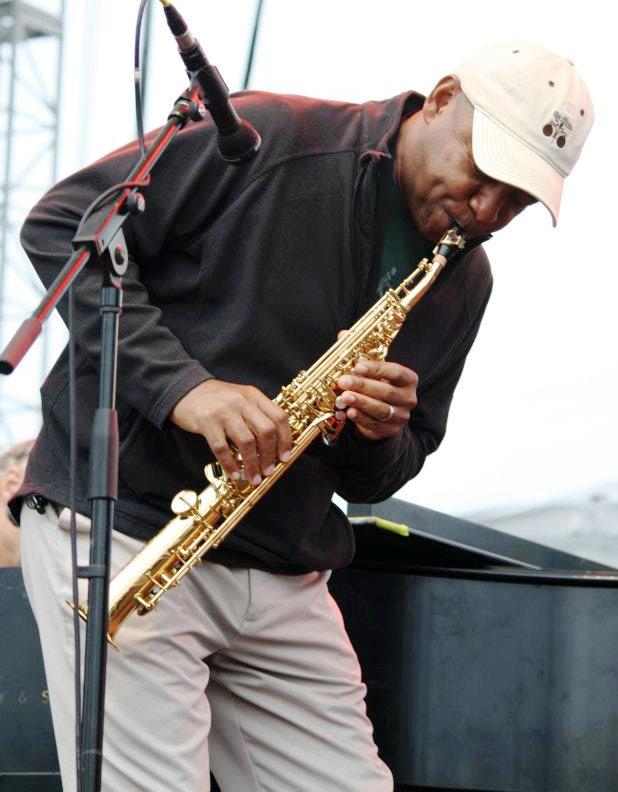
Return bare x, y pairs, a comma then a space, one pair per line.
378, 397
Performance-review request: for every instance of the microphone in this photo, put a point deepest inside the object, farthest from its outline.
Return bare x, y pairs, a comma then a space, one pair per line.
237, 140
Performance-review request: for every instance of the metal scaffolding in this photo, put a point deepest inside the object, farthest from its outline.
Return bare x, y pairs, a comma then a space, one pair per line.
30, 79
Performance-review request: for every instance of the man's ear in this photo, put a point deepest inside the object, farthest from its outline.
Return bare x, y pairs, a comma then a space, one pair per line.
441, 97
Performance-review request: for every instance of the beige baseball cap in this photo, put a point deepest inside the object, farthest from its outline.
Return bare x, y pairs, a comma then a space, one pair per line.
532, 114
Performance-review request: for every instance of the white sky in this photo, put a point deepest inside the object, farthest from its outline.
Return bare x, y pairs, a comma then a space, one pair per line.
535, 413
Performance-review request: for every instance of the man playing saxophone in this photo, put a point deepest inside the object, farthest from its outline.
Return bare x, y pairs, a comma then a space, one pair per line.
239, 279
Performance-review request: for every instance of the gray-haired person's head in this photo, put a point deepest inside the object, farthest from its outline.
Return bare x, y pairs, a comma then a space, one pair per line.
16, 455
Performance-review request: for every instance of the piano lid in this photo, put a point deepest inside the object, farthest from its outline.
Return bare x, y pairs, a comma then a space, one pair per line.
440, 540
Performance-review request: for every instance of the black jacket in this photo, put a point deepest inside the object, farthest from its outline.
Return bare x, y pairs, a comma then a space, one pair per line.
247, 274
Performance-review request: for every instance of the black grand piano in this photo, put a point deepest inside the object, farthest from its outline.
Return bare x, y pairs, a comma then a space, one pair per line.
491, 662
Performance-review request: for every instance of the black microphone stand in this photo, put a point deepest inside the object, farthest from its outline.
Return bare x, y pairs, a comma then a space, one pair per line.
101, 237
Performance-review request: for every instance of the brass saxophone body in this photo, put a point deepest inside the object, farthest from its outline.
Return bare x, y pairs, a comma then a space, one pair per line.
203, 520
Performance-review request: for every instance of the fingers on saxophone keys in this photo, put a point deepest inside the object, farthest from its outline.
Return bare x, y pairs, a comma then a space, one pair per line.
370, 412
265, 434
264, 439
349, 383
221, 449
283, 435
245, 441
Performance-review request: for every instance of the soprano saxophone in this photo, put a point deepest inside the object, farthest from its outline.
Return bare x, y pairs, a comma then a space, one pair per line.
203, 520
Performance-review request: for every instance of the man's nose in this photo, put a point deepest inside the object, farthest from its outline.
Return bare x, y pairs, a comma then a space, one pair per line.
488, 201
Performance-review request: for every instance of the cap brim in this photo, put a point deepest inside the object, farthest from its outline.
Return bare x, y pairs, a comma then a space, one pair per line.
503, 157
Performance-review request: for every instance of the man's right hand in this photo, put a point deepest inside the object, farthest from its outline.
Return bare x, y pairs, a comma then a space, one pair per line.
224, 413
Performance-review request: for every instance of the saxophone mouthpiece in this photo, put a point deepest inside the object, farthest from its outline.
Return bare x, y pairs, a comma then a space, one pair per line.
452, 242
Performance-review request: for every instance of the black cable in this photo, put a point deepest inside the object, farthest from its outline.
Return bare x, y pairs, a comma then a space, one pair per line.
256, 27
137, 78
146, 46
102, 198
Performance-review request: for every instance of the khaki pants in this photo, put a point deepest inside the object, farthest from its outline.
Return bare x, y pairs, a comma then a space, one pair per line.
248, 673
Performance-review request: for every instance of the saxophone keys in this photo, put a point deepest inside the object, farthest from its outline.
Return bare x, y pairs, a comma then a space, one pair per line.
242, 486
185, 503
179, 553
215, 474
144, 605
331, 428
378, 353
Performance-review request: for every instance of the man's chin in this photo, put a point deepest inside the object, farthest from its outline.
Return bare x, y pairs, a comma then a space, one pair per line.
435, 229
433, 223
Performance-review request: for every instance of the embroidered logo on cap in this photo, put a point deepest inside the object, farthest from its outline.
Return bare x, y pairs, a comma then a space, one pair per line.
558, 129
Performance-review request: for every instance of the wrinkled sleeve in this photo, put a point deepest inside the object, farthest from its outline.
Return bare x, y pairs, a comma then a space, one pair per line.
371, 471
154, 370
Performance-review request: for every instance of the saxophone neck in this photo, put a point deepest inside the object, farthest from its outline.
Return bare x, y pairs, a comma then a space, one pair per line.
418, 283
